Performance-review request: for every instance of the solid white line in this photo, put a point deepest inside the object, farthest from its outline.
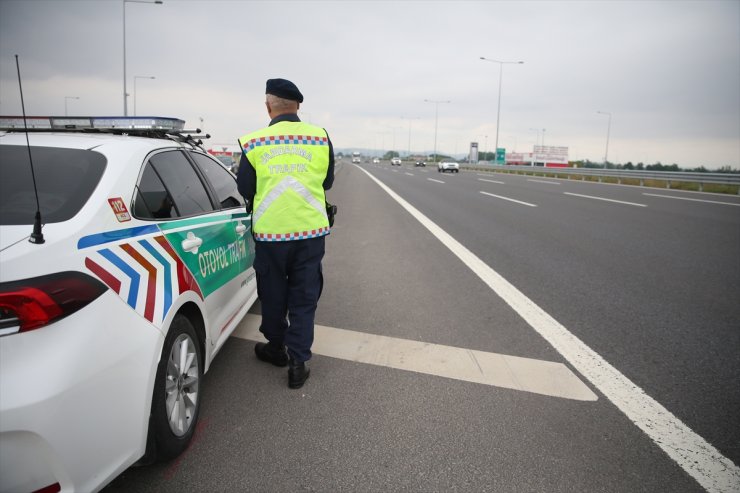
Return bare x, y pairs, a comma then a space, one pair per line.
606, 200
713, 471
492, 181
497, 370
693, 200
407, 173
432, 179
545, 181
510, 200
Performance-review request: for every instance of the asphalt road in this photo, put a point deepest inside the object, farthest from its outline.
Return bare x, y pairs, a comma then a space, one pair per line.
651, 284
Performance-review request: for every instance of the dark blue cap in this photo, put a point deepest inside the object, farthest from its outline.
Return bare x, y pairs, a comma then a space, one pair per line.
283, 88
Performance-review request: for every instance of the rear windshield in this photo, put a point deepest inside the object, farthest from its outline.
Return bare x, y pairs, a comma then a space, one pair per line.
65, 179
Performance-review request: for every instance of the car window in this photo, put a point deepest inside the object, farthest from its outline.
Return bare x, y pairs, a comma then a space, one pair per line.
152, 199
65, 179
186, 190
222, 181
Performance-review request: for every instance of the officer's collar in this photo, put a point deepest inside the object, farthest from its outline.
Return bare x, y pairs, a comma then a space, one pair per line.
287, 117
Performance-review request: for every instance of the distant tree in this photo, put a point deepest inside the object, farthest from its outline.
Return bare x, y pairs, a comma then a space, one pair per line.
629, 165
390, 154
727, 169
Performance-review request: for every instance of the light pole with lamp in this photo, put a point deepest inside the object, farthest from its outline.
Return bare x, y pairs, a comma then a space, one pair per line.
125, 94
436, 120
500, 78
151, 77
65, 102
608, 129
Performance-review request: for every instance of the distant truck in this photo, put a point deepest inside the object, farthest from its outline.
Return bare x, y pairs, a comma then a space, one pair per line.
356, 157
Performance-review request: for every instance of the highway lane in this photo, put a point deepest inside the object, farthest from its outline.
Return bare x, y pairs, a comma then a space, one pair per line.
653, 289
369, 427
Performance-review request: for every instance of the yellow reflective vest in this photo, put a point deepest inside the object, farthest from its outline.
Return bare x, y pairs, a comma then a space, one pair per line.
291, 160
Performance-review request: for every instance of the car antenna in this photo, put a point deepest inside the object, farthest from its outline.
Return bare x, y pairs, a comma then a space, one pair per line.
37, 236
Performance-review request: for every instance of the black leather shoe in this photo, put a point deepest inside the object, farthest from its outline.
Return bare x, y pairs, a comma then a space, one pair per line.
297, 375
271, 353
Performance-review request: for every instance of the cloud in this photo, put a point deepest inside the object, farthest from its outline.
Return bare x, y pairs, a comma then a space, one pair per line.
667, 71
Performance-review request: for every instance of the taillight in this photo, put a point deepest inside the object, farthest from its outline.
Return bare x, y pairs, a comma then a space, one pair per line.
32, 303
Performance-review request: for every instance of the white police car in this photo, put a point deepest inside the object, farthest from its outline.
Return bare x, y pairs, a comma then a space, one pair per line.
109, 320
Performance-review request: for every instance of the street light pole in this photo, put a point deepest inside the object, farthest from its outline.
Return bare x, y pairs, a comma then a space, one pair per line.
140, 77
500, 79
409, 119
608, 129
65, 102
125, 94
436, 120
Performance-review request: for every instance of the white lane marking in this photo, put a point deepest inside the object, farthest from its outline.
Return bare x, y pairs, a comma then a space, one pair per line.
395, 171
491, 181
545, 181
407, 173
432, 179
693, 200
713, 471
469, 365
510, 200
606, 200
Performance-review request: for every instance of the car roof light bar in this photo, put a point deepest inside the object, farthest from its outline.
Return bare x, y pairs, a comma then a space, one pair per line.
102, 123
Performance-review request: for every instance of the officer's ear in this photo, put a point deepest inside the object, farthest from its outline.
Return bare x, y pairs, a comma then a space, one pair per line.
269, 109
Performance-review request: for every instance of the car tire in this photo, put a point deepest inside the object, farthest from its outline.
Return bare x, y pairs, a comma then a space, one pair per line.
176, 399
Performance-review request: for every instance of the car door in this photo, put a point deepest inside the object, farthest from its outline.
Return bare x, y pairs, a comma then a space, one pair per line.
172, 191
241, 291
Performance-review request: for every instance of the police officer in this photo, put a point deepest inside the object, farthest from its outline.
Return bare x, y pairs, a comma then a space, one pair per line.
283, 173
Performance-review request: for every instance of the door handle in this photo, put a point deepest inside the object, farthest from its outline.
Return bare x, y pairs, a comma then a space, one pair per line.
191, 243
240, 229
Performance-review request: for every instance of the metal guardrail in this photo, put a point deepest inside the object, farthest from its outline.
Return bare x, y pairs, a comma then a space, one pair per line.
642, 175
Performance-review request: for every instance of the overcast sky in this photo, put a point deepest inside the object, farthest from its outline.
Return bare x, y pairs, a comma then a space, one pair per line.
668, 71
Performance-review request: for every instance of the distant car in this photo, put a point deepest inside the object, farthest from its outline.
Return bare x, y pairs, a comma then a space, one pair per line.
376, 160
396, 161
109, 320
450, 166
420, 163
356, 159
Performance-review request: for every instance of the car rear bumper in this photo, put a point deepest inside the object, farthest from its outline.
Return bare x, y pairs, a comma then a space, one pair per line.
76, 397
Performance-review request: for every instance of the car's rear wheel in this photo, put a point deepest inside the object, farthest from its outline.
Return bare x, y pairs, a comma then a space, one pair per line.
176, 400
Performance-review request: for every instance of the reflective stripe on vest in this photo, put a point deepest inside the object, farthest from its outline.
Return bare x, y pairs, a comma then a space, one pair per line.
291, 160
280, 188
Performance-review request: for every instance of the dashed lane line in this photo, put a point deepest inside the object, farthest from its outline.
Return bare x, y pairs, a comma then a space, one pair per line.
492, 181
509, 199
700, 459
605, 199
692, 200
545, 181
432, 179
469, 365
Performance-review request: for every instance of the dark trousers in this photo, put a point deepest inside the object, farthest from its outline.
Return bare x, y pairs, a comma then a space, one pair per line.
289, 284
